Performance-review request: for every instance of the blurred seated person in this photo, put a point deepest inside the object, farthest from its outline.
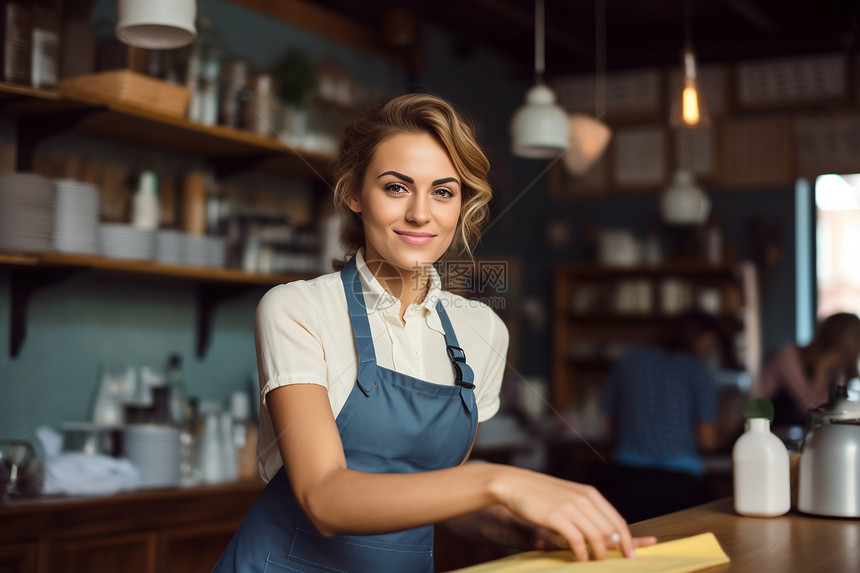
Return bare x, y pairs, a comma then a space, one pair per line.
797, 378
660, 407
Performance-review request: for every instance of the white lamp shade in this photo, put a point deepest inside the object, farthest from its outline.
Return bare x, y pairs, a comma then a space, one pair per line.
684, 202
587, 138
539, 128
156, 24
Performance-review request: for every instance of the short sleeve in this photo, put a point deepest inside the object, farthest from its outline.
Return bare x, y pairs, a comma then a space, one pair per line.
487, 391
288, 346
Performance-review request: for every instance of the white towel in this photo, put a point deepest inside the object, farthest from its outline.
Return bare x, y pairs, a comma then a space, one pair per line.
89, 474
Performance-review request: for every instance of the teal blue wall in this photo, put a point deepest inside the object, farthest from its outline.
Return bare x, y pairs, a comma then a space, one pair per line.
85, 322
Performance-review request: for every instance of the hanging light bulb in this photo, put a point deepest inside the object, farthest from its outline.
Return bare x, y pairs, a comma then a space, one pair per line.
539, 128
690, 97
689, 109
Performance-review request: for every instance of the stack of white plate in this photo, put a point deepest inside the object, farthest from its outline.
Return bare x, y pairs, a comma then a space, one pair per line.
155, 450
170, 247
196, 251
76, 217
123, 241
26, 212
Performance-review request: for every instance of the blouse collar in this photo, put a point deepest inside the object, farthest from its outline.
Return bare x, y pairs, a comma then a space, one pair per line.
377, 299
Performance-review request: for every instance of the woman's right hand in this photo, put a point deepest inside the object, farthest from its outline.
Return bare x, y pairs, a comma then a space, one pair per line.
578, 514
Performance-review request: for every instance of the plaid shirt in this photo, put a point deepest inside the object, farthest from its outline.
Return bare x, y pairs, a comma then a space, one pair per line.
656, 399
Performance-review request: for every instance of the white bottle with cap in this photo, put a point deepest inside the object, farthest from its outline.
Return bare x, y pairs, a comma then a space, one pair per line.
145, 208
761, 472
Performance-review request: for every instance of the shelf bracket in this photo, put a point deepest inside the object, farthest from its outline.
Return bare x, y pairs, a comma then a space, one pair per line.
32, 130
209, 296
25, 283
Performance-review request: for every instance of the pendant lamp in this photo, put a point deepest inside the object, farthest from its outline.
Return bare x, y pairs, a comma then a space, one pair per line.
588, 136
689, 110
587, 141
684, 202
156, 24
539, 128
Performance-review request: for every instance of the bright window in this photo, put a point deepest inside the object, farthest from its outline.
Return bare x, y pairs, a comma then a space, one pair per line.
837, 198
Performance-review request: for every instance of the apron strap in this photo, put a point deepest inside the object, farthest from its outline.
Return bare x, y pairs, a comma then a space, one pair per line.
465, 377
367, 373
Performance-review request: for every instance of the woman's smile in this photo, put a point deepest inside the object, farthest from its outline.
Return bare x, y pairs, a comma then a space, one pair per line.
414, 238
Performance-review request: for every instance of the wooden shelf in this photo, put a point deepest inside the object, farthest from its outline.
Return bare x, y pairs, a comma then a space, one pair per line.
32, 272
686, 268
12, 90
207, 274
94, 262
224, 146
631, 319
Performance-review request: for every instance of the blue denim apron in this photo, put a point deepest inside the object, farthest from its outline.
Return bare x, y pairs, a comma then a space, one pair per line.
391, 423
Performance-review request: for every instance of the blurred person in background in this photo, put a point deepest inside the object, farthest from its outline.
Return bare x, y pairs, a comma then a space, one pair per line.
797, 378
659, 404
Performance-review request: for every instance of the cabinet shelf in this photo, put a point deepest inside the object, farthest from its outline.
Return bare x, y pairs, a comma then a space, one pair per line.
680, 268
94, 262
591, 325
40, 114
225, 147
32, 272
630, 319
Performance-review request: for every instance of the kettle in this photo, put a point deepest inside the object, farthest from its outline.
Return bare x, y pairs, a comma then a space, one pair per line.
829, 480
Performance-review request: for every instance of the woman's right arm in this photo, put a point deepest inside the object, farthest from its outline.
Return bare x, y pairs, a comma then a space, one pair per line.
343, 501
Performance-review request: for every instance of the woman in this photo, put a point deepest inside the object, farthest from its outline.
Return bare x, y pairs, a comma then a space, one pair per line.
373, 379
797, 378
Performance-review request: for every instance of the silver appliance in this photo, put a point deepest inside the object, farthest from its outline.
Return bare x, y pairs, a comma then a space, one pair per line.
829, 480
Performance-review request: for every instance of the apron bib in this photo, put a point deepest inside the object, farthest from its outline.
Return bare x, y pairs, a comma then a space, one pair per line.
390, 423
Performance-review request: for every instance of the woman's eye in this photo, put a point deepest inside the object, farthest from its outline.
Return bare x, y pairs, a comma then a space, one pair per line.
443, 192
395, 188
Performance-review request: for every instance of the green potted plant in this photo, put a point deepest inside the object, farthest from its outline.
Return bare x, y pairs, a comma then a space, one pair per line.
758, 408
296, 81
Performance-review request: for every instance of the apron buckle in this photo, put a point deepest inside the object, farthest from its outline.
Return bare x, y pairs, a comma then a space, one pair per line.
456, 354
458, 359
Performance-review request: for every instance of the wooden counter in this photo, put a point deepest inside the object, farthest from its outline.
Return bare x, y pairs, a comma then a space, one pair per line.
791, 543
144, 531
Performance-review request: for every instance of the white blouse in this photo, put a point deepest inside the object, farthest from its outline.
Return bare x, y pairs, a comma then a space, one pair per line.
304, 336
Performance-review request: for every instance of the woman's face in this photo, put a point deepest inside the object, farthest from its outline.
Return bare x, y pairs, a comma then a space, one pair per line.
409, 201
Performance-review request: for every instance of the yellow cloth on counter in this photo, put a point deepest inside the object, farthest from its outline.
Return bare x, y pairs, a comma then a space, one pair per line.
678, 556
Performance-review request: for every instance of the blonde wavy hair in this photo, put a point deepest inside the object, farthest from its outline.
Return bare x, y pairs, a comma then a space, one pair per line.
417, 114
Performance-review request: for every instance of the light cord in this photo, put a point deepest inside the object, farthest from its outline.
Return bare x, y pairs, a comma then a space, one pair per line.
540, 65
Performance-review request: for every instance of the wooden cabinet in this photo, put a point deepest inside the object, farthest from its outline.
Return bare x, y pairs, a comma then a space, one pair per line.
17, 557
134, 553
601, 311
147, 531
